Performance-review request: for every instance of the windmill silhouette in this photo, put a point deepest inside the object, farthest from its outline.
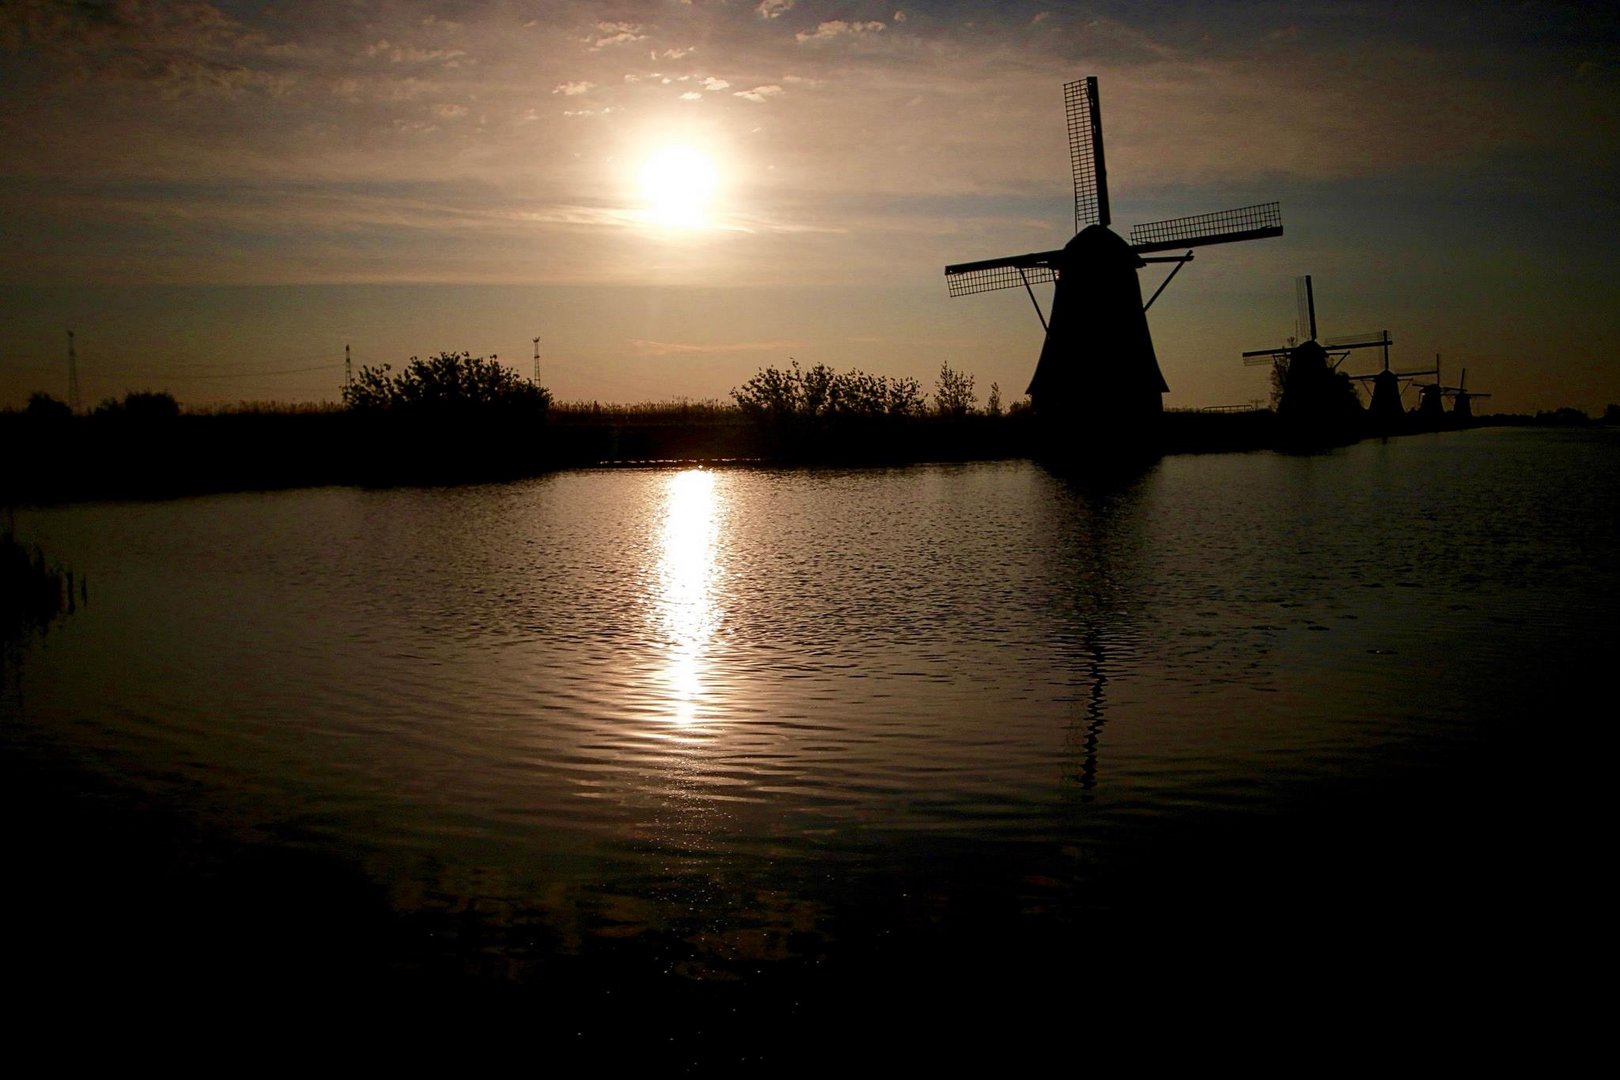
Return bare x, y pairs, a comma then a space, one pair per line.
1313, 390
1098, 378
1461, 397
1431, 398
1385, 412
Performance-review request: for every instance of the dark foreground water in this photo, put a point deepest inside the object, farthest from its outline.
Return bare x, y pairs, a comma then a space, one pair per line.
755, 769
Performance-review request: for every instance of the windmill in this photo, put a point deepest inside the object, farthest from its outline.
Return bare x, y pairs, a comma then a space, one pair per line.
1098, 374
1385, 412
1462, 410
1431, 398
1315, 399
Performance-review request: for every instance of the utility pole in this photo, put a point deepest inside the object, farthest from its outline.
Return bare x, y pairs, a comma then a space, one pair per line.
73, 375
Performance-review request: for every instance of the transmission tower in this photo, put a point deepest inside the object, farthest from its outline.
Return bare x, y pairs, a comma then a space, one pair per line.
348, 369
537, 361
73, 375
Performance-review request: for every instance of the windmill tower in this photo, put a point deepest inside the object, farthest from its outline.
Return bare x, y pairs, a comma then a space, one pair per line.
1098, 379
537, 361
1316, 402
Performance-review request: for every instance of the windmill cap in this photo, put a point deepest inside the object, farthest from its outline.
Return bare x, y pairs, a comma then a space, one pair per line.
1100, 242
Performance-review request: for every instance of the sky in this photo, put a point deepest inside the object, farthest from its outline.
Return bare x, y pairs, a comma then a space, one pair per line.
216, 198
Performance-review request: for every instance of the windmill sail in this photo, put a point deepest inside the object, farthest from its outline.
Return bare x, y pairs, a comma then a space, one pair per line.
1222, 227
1011, 272
1086, 153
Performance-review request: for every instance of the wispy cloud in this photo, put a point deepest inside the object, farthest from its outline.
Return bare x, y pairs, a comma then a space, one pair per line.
616, 33
771, 9
760, 93
639, 347
837, 28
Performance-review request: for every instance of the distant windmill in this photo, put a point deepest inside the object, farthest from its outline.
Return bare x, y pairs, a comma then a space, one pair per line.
1316, 398
1431, 397
1386, 411
1462, 408
1098, 375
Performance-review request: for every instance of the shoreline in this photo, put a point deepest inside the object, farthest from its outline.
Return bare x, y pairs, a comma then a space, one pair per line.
91, 459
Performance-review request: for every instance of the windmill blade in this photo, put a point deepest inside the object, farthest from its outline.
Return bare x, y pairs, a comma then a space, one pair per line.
1305, 305
1012, 272
1084, 119
1354, 341
1223, 227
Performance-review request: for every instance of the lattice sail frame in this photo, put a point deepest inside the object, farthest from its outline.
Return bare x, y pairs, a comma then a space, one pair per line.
990, 278
1221, 227
1084, 119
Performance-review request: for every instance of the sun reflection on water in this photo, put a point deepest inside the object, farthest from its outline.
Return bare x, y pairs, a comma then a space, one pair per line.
687, 574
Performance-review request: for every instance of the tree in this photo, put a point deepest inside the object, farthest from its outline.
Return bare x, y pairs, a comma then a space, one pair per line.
993, 404
41, 406
953, 393
449, 384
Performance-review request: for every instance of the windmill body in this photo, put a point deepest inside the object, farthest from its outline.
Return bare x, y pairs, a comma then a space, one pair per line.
1097, 349
1097, 381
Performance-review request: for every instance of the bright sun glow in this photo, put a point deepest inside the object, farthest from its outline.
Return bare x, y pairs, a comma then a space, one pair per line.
678, 183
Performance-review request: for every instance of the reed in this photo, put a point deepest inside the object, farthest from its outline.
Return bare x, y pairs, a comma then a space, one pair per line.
33, 591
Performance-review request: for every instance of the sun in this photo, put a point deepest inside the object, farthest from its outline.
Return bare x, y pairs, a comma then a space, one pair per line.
678, 182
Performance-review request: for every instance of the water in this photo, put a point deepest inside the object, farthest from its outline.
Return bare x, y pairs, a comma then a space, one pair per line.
707, 739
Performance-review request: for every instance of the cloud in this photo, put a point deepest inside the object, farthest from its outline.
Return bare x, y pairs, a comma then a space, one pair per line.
450, 112
616, 33
760, 93
899, 17
691, 95
574, 89
770, 9
711, 83
406, 54
838, 28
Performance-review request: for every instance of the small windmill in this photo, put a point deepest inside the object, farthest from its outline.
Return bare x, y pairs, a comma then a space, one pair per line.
1386, 412
1334, 349
1461, 397
1097, 365
1313, 393
1431, 399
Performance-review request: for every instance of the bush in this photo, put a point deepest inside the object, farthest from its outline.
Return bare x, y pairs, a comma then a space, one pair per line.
449, 384
821, 393
141, 405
